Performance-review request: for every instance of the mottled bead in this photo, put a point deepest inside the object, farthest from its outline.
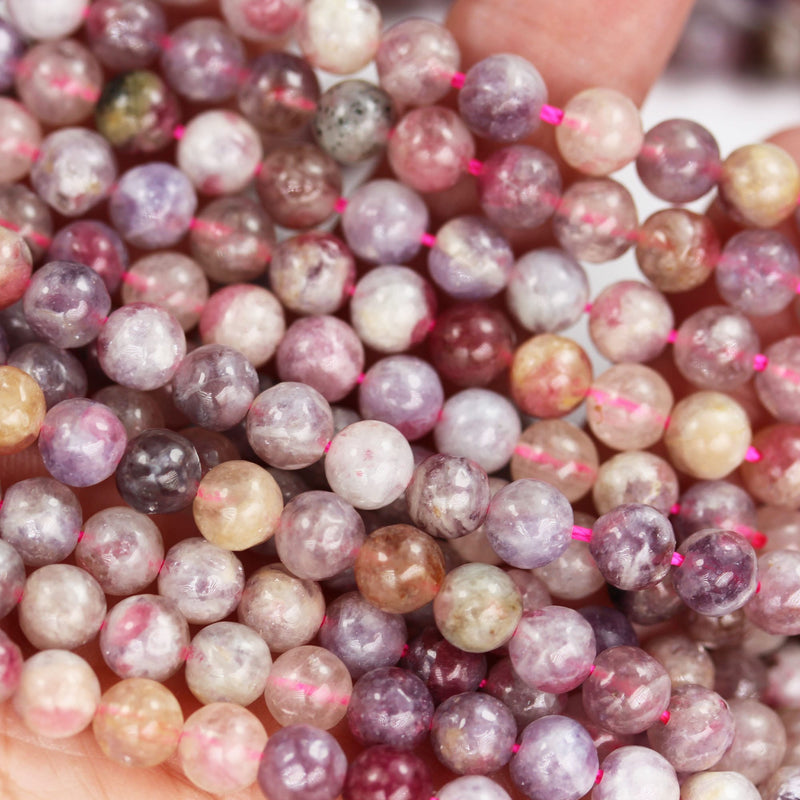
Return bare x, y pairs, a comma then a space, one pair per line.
284, 610
679, 161
384, 222
353, 121
125, 34
708, 435
138, 723
60, 374
308, 685
152, 205
66, 303
519, 187
777, 385
630, 321
384, 771
782, 783
775, 606
478, 607
58, 694
238, 505
399, 568
10, 666
596, 220
94, 244
572, 576
12, 48
611, 627
257, 22
203, 61
16, 265
62, 607
480, 425
227, 662
685, 660
472, 787
141, 346
524, 702
635, 476
550, 375
81, 442
22, 410
771, 476
159, 472
601, 131
219, 748
740, 674
20, 138
556, 760
719, 784
339, 38
656, 603
59, 82
760, 183
40, 19
137, 112
390, 706
626, 770
41, 519
26, 214
628, 690
12, 582
302, 762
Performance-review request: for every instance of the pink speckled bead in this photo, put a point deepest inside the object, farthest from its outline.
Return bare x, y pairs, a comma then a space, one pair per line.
10, 666
20, 137
220, 746
635, 476
257, 21
58, 694
776, 606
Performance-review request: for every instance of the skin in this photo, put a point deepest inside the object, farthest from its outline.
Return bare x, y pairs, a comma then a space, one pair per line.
575, 44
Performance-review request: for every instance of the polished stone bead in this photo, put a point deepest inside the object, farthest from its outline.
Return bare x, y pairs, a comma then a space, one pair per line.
60, 375
257, 22
777, 386
26, 214
12, 580
524, 702
94, 244
10, 666
685, 660
21, 138
12, 48
125, 34
611, 627
22, 410
775, 606
626, 770
382, 771
16, 264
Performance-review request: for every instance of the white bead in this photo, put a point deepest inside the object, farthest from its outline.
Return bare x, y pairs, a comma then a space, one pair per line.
47, 19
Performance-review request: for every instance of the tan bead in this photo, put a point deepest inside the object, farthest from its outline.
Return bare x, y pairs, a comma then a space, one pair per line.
761, 183
601, 131
138, 722
22, 410
708, 435
238, 505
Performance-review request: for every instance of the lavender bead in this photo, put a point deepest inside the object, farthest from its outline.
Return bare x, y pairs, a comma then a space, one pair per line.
777, 386
628, 769
472, 787
41, 518
26, 213
94, 244
125, 34
390, 706
501, 98
775, 607
121, 549
10, 666
383, 771
12, 582
556, 760
553, 649
473, 734
404, 391
81, 442
529, 523
633, 546
384, 222
12, 48
152, 205
204, 581
714, 504
361, 635
302, 763
471, 259
525, 703
66, 303
144, 636
214, 386
203, 61
611, 627
59, 374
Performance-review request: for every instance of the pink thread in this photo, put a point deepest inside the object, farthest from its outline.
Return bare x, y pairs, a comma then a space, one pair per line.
179, 132
672, 336
340, 205
551, 114
474, 167
428, 239
675, 509
515, 748
752, 455
81, 534
592, 668
599, 776
457, 80
665, 717
676, 560
581, 533
587, 308
758, 587
360, 378
327, 446
482, 683
760, 362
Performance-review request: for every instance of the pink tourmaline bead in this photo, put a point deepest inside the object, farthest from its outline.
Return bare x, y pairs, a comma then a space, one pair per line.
10, 666
20, 138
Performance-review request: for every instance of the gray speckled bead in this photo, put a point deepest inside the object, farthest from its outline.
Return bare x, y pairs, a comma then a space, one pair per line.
41, 518
556, 760
628, 769
12, 580
353, 121
384, 222
62, 607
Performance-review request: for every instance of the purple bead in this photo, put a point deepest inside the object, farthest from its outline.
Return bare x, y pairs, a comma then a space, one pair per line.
159, 472
12, 579
152, 205
10, 666
632, 546
26, 213
66, 303
611, 627
714, 504
404, 391
301, 762
125, 34
214, 386
556, 760
81, 442
12, 48
59, 374
529, 523
203, 61
94, 244
501, 98
390, 706
41, 518
627, 769
718, 574
383, 772
524, 702
361, 635
384, 222
473, 733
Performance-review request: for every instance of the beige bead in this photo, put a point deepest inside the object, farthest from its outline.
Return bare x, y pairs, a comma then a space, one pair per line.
138, 723
601, 131
761, 183
708, 435
22, 410
238, 505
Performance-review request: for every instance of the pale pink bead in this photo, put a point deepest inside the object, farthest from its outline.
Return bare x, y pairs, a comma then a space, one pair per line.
219, 152
58, 694
10, 666
20, 137
45, 19
601, 131
220, 748
261, 20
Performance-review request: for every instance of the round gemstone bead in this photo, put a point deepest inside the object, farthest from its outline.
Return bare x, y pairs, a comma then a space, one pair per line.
524, 702
125, 34
22, 410
770, 477
775, 606
16, 264
685, 660
12, 582
60, 375
628, 768
777, 385
12, 48
572, 576
257, 22
10, 666
384, 771
721, 784
21, 137
42, 20
635, 477
28, 216
472, 787
611, 627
